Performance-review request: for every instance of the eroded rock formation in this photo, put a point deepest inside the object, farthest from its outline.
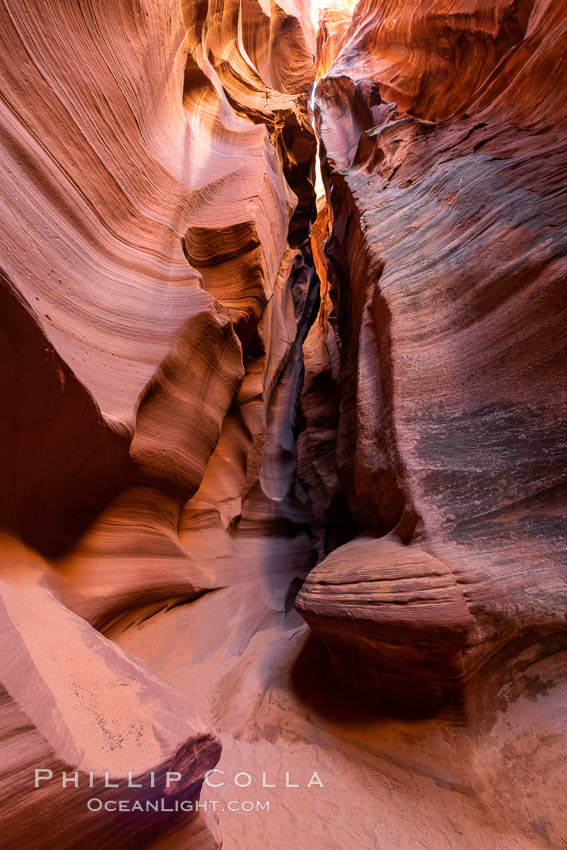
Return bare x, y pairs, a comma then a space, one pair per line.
211, 383
157, 196
442, 137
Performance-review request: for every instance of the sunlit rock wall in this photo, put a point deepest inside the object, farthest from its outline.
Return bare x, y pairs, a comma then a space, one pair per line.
156, 284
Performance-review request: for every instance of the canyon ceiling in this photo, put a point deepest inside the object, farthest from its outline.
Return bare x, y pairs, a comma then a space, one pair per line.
283, 447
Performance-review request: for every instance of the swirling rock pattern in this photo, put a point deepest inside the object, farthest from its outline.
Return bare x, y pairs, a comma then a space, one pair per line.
442, 134
156, 286
210, 383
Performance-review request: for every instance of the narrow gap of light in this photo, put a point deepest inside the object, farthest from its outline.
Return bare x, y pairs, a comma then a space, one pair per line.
315, 6
319, 187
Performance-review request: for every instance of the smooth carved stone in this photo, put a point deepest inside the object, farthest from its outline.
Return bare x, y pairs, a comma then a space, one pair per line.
147, 209
74, 703
444, 158
204, 363
395, 621
156, 201
165, 380
134, 548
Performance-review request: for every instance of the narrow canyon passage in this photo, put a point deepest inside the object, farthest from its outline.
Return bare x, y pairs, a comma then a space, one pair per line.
283, 336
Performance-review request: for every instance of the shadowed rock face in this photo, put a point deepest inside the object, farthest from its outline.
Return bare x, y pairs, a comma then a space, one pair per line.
444, 160
211, 383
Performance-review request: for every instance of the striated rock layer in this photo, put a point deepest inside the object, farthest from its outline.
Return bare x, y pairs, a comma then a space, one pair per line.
442, 340
156, 285
444, 157
204, 396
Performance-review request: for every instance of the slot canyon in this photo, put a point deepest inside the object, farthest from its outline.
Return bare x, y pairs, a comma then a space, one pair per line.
283, 446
